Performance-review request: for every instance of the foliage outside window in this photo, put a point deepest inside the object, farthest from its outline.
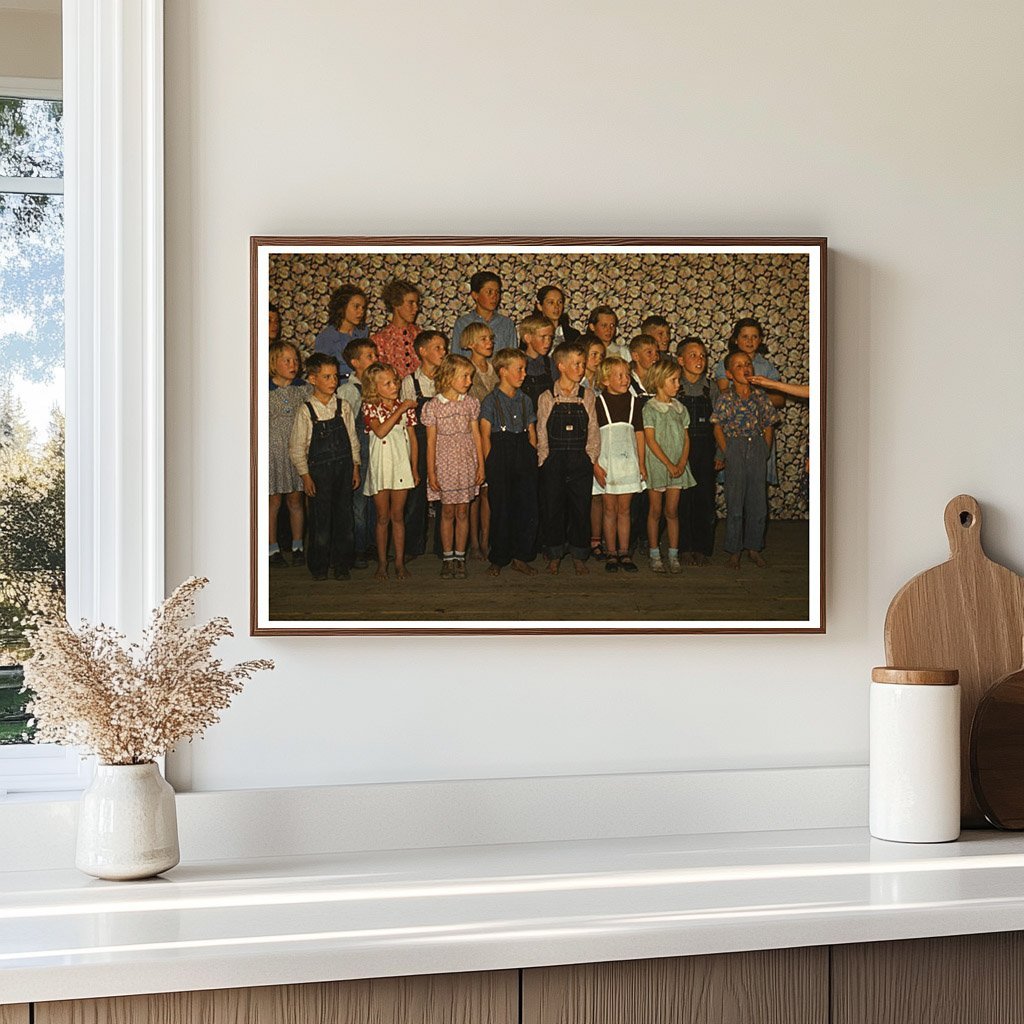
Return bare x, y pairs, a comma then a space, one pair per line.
32, 536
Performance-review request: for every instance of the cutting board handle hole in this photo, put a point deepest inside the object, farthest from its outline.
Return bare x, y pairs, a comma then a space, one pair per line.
962, 519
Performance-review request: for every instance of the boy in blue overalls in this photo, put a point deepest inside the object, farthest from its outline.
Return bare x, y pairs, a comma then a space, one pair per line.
697, 517
509, 435
744, 422
360, 354
324, 448
568, 446
431, 347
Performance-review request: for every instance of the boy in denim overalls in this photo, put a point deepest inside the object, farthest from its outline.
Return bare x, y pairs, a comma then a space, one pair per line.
568, 446
324, 448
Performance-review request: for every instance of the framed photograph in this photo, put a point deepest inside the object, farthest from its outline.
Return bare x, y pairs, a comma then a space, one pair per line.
537, 435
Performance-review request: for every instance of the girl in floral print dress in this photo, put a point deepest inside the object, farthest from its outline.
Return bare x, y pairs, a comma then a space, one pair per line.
392, 472
455, 460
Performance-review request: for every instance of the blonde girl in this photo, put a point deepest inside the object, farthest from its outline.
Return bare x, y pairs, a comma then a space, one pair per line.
668, 452
455, 458
392, 474
287, 393
478, 340
620, 471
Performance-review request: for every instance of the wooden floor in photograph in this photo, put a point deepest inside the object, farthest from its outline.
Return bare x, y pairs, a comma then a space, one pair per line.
715, 592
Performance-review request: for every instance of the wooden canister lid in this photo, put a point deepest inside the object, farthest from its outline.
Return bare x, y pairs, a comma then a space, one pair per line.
916, 676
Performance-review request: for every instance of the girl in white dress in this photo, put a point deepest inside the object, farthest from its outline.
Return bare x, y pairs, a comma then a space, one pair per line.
620, 471
392, 473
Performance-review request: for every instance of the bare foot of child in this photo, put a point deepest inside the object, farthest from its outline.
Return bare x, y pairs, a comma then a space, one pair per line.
688, 558
477, 555
580, 567
494, 570
401, 572
734, 561
381, 573
755, 557
701, 560
553, 566
520, 566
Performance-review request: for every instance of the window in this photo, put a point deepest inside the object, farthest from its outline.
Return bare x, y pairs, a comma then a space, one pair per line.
113, 302
32, 535
31, 374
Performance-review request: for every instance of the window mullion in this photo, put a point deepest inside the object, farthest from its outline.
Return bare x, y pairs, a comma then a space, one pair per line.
32, 186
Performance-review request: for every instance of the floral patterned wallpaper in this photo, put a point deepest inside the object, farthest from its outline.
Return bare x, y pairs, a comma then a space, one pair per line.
698, 293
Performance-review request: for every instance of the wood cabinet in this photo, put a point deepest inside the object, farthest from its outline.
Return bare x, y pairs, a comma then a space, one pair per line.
967, 979
962, 979
777, 986
481, 998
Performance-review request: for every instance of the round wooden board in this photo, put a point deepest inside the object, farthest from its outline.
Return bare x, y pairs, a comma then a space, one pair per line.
997, 752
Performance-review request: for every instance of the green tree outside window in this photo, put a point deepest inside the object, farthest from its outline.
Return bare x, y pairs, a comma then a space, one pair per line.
32, 542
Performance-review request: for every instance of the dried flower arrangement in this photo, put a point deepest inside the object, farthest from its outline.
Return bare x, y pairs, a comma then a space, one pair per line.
129, 704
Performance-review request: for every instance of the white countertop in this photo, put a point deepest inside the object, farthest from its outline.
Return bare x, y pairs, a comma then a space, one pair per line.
226, 924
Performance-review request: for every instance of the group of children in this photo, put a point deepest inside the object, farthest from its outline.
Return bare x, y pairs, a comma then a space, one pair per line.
523, 439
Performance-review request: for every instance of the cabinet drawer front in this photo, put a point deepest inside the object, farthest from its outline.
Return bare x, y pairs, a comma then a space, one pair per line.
962, 979
481, 998
778, 986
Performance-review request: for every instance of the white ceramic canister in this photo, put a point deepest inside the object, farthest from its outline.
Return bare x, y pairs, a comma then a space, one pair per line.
915, 755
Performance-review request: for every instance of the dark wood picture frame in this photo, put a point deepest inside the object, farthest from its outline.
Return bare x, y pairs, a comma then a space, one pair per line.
699, 280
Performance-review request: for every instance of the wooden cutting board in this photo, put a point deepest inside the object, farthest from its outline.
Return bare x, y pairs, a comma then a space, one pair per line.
967, 614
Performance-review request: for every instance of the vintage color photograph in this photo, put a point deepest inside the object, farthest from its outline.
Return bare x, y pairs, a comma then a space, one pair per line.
485, 435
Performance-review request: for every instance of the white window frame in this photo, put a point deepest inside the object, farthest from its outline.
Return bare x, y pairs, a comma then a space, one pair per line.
32, 88
114, 336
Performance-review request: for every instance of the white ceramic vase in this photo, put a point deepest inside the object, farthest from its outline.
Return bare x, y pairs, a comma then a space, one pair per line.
127, 825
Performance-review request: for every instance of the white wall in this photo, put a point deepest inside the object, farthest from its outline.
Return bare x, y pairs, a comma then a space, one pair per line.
892, 129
